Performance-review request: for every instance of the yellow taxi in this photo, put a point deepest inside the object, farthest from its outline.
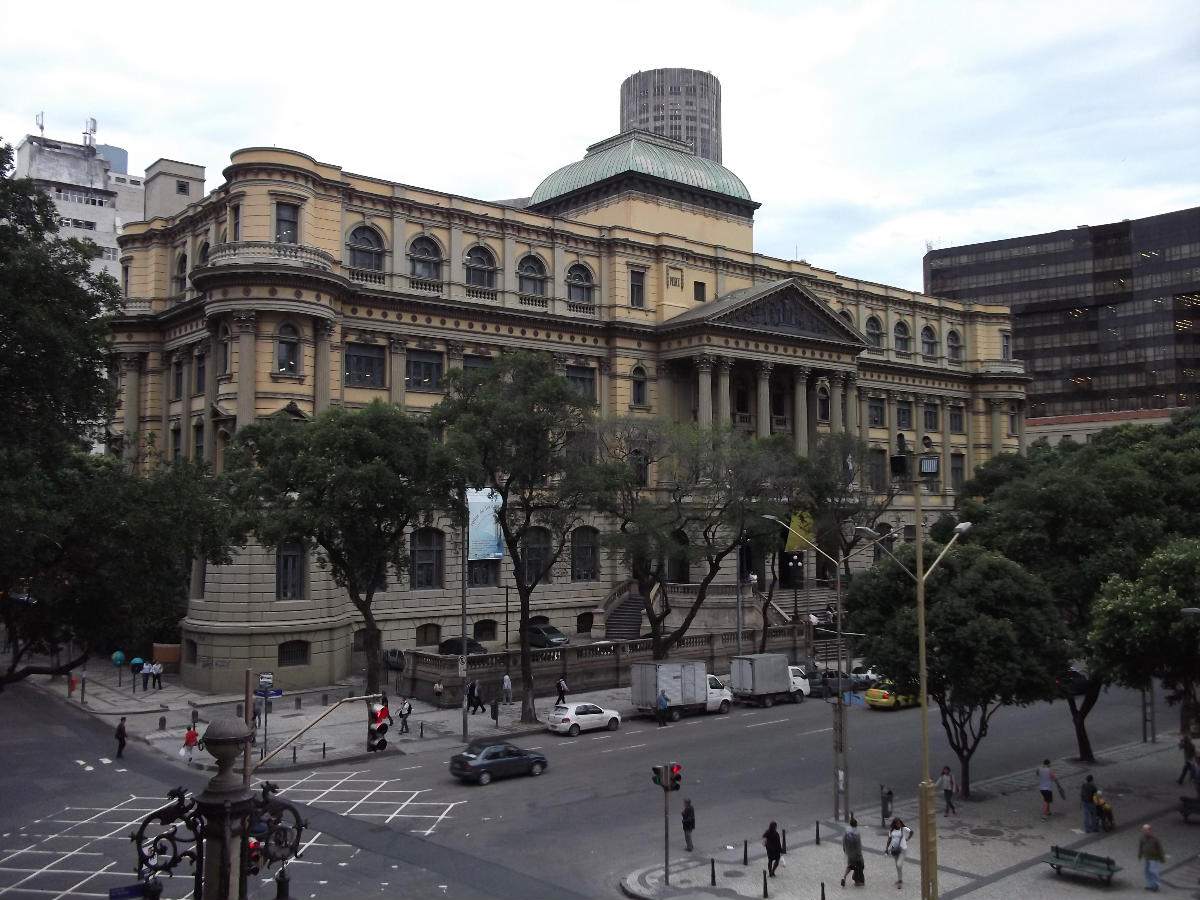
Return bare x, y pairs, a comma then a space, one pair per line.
885, 696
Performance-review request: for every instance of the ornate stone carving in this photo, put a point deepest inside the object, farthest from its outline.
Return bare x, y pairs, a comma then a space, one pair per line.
245, 320
783, 313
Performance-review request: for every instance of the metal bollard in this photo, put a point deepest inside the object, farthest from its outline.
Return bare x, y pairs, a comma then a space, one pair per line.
162, 723
745, 853
282, 880
822, 890
240, 712
765, 882
298, 702
293, 753
324, 699
885, 806
783, 846
322, 749
422, 729
818, 831
195, 715
712, 871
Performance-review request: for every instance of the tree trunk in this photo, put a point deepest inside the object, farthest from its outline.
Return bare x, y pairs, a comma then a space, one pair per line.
528, 710
1079, 718
964, 776
372, 643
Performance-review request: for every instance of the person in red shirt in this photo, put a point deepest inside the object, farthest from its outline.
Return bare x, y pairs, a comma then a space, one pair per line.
191, 741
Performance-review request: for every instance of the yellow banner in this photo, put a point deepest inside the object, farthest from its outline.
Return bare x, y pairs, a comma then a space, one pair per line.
802, 524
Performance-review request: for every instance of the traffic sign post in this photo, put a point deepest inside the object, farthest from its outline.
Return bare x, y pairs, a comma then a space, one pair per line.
266, 693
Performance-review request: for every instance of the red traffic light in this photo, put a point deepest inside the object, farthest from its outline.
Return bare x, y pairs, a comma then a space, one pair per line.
676, 771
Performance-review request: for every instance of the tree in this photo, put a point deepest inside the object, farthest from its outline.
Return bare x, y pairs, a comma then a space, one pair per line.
96, 557
994, 637
349, 484
522, 430
1139, 631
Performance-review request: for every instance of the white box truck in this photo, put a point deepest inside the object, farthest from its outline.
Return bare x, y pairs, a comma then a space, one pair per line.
688, 685
765, 678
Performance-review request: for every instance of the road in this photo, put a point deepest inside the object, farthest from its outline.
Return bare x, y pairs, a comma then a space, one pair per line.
400, 824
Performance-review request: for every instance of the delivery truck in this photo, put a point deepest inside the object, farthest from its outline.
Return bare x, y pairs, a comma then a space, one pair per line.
767, 678
688, 685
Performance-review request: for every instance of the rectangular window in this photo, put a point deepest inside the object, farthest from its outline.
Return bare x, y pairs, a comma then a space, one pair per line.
931, 417
111, 253
287, 223
957, 420
292, 653
182, 187
958, 468
484, 572
875, 412
125, 281
289, 572
904, 413
877, 470
583, 379
236, 231
637, 288
176, 444
364, 366
198, 441
1005, 345
177, 379
201, 373
477, 362
424, 371
427, 559
698, 291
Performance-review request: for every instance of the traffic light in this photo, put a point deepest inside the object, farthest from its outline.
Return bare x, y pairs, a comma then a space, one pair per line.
377, 726
660, 776
676, 772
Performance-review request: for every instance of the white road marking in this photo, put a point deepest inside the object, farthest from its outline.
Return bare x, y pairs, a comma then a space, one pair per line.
619, 749
771, 722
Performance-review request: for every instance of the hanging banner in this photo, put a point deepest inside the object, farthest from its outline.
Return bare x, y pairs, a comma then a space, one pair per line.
802, 525
484, 539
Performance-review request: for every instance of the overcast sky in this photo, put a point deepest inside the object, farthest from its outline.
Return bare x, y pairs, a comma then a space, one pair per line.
865, 129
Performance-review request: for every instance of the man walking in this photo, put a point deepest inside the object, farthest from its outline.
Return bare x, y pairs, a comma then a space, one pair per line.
1087, 796
506, 686
689, 822
120, 736
562, 690
1189, 754
1150, 850
660, 711
405, 712
1047, 781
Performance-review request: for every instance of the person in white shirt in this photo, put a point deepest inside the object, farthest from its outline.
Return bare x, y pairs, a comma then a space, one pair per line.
506, 686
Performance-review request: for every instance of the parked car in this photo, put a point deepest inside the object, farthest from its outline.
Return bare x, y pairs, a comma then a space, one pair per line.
885, 696
824, 682
393, 657
453, 647
572, 718
1071, 681
486, 759
863, 677
546, 636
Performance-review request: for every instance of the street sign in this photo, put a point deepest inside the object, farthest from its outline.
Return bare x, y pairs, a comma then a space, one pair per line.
128, 892
266, 680
273, 692
462, 667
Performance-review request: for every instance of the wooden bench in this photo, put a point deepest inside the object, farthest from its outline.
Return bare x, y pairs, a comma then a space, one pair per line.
1189, 806
1102, 867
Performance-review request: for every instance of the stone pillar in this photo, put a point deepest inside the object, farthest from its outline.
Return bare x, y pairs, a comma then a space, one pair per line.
837, 384
131, 378
763, 411
813, 408
458, 272
666, 391
603, 381
864, 414
247, 371
704, 366
322, 363
204, 348
852, 406
800, 409
944, 421
166, 365
1022, 410
398, 369
969, 425
185, 402
508, 268
997, 410
724, 417
892, 401
455, 350
919, 422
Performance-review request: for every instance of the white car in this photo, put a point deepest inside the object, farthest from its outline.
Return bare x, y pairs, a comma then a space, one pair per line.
572, 718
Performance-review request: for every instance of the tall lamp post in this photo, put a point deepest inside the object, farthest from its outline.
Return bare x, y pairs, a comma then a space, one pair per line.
926, 802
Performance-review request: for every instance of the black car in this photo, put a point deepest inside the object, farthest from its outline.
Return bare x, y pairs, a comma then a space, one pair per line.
453, 647
484, 760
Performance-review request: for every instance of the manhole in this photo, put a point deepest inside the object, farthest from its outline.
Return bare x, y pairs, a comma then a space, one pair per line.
987, 832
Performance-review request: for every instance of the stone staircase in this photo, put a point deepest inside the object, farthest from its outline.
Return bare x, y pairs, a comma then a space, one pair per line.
624, 622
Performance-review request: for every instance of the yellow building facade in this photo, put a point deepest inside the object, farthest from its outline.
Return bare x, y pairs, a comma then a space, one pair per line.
295, 286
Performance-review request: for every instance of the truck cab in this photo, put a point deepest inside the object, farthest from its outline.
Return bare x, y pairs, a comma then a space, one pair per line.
719, 696
800, 680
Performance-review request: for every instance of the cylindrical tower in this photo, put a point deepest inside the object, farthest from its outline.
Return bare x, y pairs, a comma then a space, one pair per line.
684, 104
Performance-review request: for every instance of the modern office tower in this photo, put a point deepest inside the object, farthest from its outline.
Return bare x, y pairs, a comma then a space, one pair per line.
684, 104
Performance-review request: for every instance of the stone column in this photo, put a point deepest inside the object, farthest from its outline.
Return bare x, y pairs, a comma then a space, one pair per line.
892, 400
603, 380
458, 272
185, 402
204, 348
724, 364
764, 399
508, 268
944, 421
864, 414
398, 369
322, 363
1022, 410
813, 409
997, 409
969, 425
131, 378
666, 391
166, 365
704, 366
919, 423
800, 409
852, 406
247, 370
837, 384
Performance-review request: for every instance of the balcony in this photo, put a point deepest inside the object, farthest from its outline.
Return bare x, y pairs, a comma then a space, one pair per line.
481, 293
366, 276
424, 285
251, 252
1001, 367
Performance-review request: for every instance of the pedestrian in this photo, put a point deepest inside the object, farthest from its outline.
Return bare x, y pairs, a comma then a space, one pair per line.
191, 741
946, 785
1047, 781
1189, 754
258, 710
897, 846
120, 736
477, 697
405, 712
506, 686
1150, 850
661, 706
852, 848
147, 671
437, 691
156, 672
562, 690
1087, 796
689, 822
774, 847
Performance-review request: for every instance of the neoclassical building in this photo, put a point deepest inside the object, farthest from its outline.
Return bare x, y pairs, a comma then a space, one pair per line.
295, 285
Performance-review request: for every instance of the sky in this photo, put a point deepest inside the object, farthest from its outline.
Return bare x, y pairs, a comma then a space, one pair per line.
867, 130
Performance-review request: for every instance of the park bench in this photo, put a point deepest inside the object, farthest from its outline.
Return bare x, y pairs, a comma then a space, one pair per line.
1102, 867
1189, 806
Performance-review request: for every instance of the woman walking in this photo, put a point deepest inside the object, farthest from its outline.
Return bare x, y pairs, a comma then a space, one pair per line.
897, 845
774, 848
946, 785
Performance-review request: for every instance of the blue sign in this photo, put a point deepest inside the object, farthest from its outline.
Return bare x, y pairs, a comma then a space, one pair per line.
129, 892
276, 692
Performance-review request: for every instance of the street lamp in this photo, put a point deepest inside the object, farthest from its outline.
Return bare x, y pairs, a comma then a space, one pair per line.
927, 805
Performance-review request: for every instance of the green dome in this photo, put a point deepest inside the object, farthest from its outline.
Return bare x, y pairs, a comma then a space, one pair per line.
646, 154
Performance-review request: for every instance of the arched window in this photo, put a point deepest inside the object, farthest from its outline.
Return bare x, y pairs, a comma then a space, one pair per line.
425, 259
638, 379
293, 653
181, 273
484, 630
203, 255
428, 635
822, 404
481, 268
585, 554
531, 276
848, 316
579, 284
287, 350
428, 559
874, 332
537, 554
640, 464
900, 337
366, 248
954, 348
928, 341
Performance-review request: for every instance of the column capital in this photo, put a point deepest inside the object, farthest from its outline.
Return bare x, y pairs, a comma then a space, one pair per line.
997, 404
664, 369
396, 343
724, 364
765, 369
325, 329
801, 373
604, 365
703, 362
246, 320
131, 362
202, 347
455, 349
